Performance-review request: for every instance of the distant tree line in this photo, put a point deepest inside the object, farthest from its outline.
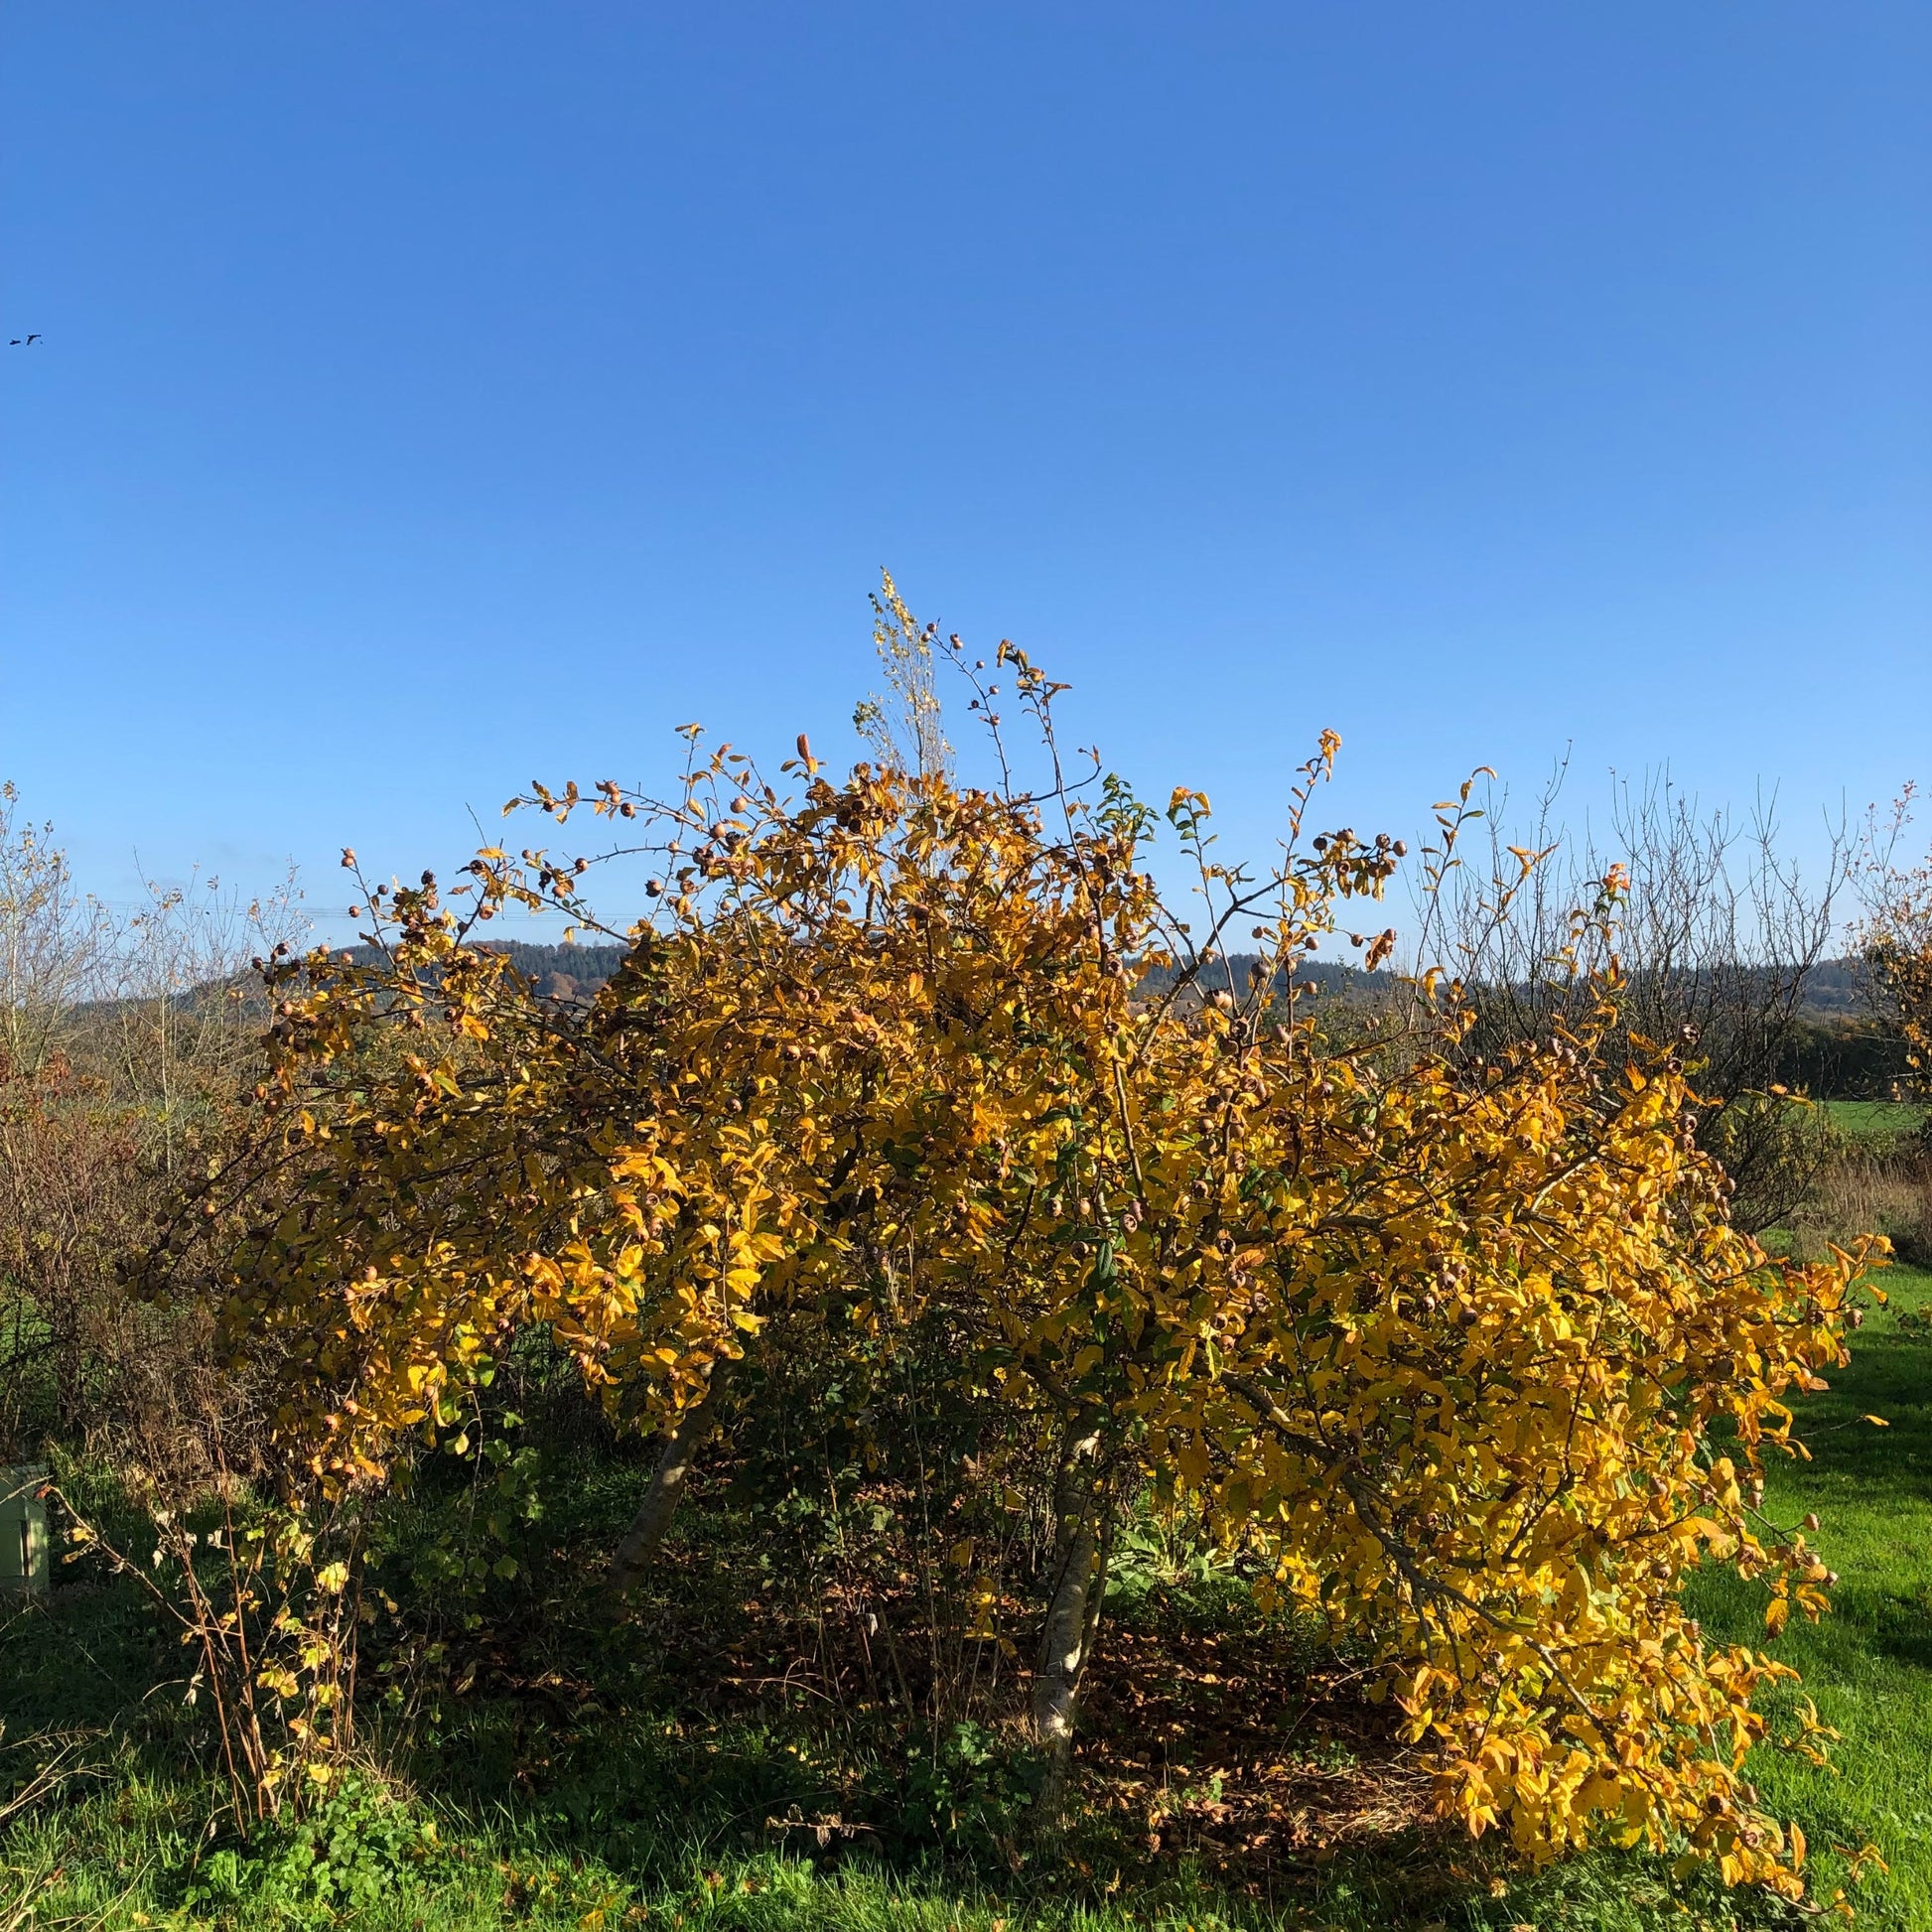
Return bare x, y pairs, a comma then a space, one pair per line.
1833, 1047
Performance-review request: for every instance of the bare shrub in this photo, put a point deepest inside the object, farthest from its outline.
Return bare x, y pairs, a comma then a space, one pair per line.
126, 1045
73, 1206
53, 942
1713, 940
176, 1023
1896, 938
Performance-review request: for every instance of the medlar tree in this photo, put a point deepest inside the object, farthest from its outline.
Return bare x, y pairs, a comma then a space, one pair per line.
1467, 1358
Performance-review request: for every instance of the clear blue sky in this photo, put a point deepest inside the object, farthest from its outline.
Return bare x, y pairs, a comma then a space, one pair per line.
436, 395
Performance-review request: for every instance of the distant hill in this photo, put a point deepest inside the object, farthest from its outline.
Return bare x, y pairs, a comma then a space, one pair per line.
1834, 989
563, 972
1330, 976
556, 972
1836, 1048
1837, 987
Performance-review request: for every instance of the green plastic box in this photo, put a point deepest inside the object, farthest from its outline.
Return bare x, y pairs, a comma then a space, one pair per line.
24, 1556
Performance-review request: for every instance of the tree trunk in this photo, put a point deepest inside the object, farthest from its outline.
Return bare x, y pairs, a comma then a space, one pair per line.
1083, 1537
655, 1513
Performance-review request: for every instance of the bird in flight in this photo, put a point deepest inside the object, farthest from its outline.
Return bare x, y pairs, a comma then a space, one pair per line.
24, 342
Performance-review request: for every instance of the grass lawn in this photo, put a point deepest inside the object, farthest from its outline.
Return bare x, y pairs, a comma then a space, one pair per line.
1876, 1119
635, 1820
1868, 1665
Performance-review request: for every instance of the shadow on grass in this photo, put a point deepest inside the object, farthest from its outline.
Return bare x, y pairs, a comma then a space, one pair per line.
602, 1801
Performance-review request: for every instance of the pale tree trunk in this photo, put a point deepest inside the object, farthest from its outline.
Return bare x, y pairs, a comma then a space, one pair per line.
1082, 1542
653, 1518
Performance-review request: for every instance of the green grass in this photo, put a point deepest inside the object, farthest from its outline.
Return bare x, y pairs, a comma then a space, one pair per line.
1868, 1665
141, 1856
1881, 1121
629, 1819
